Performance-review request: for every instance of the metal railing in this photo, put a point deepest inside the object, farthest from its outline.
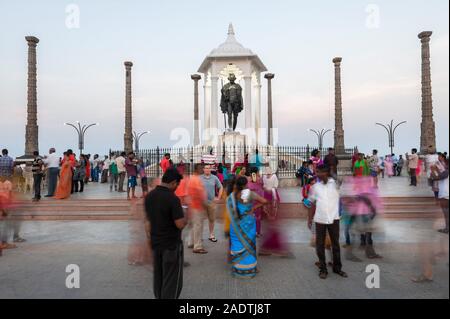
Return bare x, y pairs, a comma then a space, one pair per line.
285, 160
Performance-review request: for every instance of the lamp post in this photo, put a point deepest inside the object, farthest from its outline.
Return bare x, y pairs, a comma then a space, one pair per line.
137, 137
81, 131
390, 128
320, 134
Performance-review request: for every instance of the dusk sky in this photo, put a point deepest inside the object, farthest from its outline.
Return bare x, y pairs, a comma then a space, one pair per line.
81, 75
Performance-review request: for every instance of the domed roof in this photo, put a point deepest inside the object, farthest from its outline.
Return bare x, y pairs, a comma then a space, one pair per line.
231, 50
231, 47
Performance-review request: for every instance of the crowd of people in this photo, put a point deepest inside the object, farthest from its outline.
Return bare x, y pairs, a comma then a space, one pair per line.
177, 205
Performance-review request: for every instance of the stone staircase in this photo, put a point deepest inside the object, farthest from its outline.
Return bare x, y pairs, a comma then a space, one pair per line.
119, 209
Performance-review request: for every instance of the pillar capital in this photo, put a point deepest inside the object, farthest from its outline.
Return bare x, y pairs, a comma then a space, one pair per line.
337, 60
31, 40
128, 64
425, 35
269, 76
196, 77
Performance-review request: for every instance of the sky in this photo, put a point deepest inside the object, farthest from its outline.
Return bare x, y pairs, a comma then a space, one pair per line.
81, 76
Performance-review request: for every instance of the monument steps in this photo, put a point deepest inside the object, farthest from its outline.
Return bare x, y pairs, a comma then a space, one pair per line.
119, 209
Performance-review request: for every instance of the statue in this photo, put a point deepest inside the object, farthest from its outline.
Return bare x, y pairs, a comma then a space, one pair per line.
231, 101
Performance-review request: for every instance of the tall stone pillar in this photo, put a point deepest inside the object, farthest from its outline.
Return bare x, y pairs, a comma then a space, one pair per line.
257, 115
427, 132
269, 77
214, 105
248, 102
31, 129
338, 124
206, 109
196, 78
128, 136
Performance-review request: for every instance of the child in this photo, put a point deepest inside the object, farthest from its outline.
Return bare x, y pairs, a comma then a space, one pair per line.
305, 191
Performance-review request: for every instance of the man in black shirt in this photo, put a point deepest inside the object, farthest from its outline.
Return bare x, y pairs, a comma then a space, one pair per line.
166, 217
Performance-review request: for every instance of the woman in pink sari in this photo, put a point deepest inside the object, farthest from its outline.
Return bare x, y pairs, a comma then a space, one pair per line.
389, 166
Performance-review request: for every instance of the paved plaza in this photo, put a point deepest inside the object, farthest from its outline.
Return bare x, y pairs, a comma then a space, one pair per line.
37, 268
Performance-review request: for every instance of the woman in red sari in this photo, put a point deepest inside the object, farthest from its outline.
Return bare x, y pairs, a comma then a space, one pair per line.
64, 187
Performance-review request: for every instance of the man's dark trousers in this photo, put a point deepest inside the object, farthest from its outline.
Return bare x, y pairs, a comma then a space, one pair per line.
52, 180
333, 231
168, 272
37, 178
412, 172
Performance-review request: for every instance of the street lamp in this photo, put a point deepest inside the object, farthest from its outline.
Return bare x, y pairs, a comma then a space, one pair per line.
137, 137
390, 128
81, 130
320, 134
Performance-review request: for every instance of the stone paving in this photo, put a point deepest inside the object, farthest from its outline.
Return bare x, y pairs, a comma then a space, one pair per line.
37, 268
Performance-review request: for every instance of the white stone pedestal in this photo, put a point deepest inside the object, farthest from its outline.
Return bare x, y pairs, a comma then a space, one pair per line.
233, 143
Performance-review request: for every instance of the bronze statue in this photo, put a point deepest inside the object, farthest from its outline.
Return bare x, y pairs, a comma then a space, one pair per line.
231, 101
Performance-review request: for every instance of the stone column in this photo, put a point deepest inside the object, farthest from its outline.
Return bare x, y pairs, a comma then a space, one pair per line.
248, 102
128, 136
206, 109
338, 125
196, 78
427, 132
269, 77
257, 114
31, 129
214, 106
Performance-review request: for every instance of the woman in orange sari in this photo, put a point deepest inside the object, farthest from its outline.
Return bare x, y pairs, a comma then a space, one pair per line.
65, 179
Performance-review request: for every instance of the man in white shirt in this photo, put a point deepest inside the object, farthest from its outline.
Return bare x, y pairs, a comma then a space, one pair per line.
51, 162
325, 214
120, 162
105, 169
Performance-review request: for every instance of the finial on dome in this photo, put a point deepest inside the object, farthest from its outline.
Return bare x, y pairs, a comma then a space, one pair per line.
230, 29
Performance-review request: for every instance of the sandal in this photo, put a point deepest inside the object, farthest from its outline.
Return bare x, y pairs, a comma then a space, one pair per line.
421, 279
19, 240
323, 274
213, 239
200, 251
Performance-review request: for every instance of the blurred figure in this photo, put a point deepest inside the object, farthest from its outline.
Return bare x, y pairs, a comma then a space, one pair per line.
363, 205
197, 209
143, 176
255, 184
139, 249
167, 220
241, 210
439, 173
273, 241
325, 216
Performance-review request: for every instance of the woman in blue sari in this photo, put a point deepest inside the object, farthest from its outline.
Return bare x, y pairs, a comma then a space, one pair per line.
241, 209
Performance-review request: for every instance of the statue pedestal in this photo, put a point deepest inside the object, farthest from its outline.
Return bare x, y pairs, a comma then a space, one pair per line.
345, 164
232, 145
